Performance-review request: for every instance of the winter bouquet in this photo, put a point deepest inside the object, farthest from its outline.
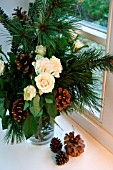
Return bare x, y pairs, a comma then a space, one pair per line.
47, 69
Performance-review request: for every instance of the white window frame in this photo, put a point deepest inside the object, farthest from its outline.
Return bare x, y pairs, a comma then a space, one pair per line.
92, 31
101, 130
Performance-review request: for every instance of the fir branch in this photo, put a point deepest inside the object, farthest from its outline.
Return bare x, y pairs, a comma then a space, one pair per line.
5, 21
78, 76
5, 56
93, 59
3, 17
14, 132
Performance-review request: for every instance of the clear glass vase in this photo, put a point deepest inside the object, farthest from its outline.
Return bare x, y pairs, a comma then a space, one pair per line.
43, 134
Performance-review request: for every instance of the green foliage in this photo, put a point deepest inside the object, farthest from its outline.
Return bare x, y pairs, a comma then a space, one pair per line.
51, 109
14, 132
2, 108
26, 105
46, 21
5, 121
49, 98
81, 82
30, 126
35, 106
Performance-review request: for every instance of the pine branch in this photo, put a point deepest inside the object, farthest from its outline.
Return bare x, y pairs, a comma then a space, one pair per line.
35, 8
93, 59
5, 56
3, 16
78, 76
4, 20
14, 132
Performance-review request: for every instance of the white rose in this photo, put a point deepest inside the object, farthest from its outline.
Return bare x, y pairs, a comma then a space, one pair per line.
78, 44
2, 67
45, 82
43, 65
29, 92
57, 67
38, 57
41, 50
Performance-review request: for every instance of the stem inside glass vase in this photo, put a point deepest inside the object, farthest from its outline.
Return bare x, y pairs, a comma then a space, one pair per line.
38, 134
44, 132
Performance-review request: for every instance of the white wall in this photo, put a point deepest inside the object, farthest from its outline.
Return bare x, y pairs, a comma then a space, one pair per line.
8, 6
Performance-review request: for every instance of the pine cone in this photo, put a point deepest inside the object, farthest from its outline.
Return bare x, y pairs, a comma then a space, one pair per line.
74, 145
24, 64
55, 3
22, 16
62, 98
17, 111
62, 158
74, 150
78, 140
56, 145
69, 138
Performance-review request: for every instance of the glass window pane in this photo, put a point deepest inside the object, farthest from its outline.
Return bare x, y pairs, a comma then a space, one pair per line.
96, 73
96, 13
93, 10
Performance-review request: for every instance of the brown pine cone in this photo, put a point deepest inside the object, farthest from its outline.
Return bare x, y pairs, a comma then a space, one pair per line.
24, 64
56, 145
22, 16
74, 150
69, 138
17, 110
79, 141
74, 145
62, 158
63, 98
55, 3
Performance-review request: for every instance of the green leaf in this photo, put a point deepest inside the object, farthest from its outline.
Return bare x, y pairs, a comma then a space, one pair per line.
1, 85
5, 122
30, 126
2, 107
2, 112
42, 102
31, 103
51, 109
26, 105
35, 108
48, 100
20, 93
53, 120
3, 94
40, 113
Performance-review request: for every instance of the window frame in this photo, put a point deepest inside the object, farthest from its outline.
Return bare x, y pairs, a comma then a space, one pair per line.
101, 129
92, 31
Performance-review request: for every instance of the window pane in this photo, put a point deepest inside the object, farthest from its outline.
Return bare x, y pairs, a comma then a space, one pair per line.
93, 10
95, 15
96, 73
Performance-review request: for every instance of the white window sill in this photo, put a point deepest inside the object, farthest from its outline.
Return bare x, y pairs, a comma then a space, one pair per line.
26, 156
92, 31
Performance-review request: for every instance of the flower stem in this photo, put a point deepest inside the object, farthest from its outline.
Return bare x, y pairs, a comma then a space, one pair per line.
38, 133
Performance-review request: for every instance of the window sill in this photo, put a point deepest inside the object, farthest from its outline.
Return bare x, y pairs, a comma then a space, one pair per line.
94, 129
28, 156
